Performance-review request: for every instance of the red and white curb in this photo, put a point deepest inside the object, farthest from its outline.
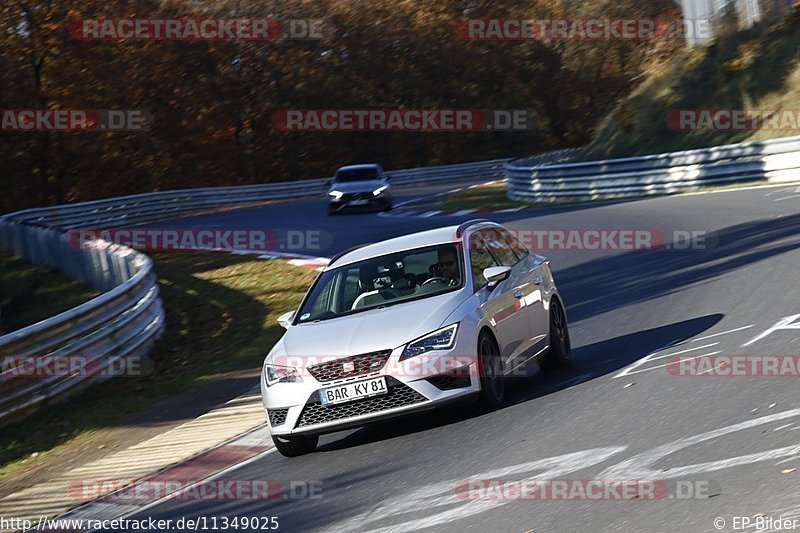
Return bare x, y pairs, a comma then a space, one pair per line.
299, 260
462, 212
183, 478
314, 264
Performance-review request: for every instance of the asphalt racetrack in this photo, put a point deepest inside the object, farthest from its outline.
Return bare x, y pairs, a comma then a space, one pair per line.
725, 447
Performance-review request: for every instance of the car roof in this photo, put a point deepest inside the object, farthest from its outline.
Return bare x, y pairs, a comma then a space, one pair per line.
406, 242
360, 167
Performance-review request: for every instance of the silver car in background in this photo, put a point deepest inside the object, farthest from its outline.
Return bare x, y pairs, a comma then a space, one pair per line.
359, 186
409, 324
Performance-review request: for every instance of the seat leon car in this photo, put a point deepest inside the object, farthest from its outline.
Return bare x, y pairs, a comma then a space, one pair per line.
359, 187
409, 324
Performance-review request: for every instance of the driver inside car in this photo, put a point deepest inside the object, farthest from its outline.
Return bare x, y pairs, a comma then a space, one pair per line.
447, 267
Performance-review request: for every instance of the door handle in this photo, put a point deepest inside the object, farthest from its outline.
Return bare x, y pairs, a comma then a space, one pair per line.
537, 280
518, 293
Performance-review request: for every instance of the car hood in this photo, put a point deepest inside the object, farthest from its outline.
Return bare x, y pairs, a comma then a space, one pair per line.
371, 331
358, 186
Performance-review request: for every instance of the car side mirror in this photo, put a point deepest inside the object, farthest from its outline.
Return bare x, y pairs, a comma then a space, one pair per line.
496, 274
285, 320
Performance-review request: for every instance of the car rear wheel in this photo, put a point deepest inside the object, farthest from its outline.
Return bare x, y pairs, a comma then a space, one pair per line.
294, 446
493, 385
560, 351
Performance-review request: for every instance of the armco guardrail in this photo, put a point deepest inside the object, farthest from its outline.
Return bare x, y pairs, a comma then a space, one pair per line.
151, 207
122, 323
775, 160
126, 320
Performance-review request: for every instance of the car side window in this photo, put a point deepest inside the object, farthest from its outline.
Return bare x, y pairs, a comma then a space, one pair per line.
350, 289
479, 259
519, 250
496, 244
324, 301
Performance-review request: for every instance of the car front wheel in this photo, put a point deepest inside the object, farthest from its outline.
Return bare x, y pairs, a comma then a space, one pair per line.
560, 350
493, 386
296, 445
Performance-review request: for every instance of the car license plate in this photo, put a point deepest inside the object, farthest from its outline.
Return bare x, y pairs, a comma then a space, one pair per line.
359, 202
353, 391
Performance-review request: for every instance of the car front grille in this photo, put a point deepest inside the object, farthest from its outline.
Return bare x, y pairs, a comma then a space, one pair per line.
357, 196
350, 367
399, 395
277, 416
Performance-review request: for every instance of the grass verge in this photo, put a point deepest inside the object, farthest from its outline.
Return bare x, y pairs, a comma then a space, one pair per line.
221, 314
491, 196
30, 293
753, 69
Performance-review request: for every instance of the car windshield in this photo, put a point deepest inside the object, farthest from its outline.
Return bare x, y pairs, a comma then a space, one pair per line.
385, 280
357, 174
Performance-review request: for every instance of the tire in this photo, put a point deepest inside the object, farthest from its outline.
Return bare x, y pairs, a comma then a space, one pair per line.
493, 384
560, 351
295, 446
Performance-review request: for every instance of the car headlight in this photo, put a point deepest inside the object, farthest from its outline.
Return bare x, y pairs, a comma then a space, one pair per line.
379, 190
441, 339
281, 374
336, 194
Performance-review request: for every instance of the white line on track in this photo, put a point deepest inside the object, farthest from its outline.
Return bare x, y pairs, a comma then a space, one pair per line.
636, 364
696, 348
631, 369
649, 357
786, 198
721, 333
785, 323
649, 368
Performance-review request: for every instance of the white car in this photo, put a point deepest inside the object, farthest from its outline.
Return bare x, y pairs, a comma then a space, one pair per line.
359, 187
408, 324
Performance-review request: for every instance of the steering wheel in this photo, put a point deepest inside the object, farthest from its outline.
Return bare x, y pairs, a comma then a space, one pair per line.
393, 292
437, 279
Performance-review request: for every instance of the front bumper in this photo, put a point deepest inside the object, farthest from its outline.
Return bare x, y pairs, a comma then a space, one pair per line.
364, 200
416, 384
